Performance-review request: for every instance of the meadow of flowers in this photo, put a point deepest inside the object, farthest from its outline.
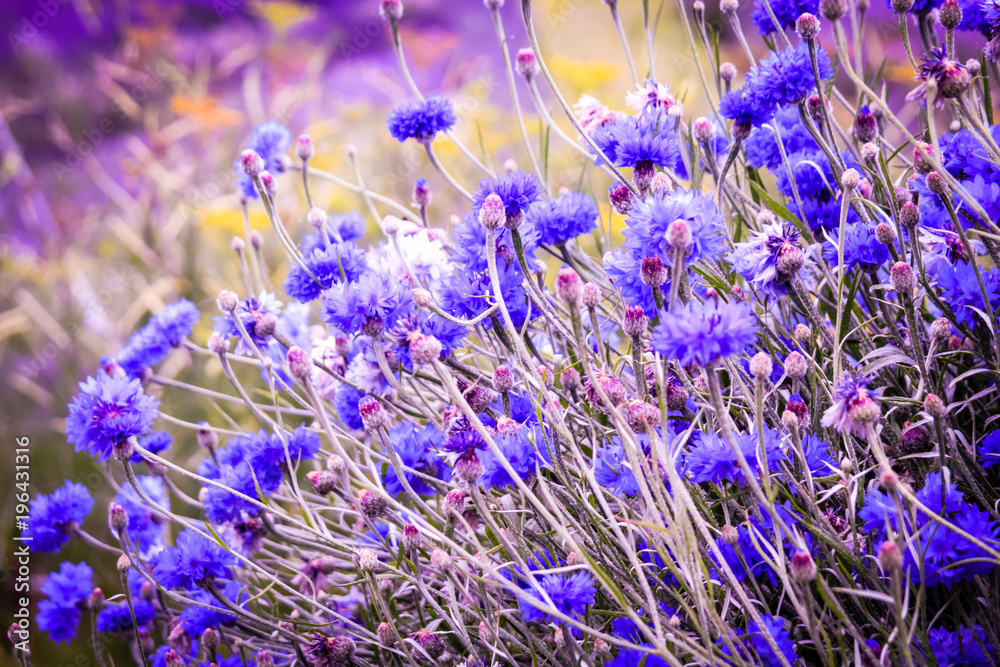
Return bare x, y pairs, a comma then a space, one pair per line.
730, 400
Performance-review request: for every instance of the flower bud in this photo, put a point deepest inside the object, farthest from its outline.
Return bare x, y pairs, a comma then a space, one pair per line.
796, 366
367, 560
761, 366
949, 14
124, 563
591, 295
493, 213
652, 271
256, 240
251, 162
372, 415
807, 26
884, 233
503, 379
422, 298
316, 217
227, 301
703, 129
569, 378
679, 234
730, 535
909, 216
371, 504
790, 420
621, 198
934, 406
641, 417
335, 464
391, 10
431, 643
440, 560
323, 481
238, 244
921, 164
936, 184
526, 63
424, 349
635, 322
832, 9
411, 538
869, 152
264, 659
117, 519
940, 329
661, 182
299, 363
902, 278
171, 659
269, 183
568, 286
850, 179
266, 325
386, 636
455, 501
421, 193
890, 557
815, 106
122, 450
865, 125
468, 467
602, 651
727, 72
803, 568
304, 148
889, 480
728, 6
802, 333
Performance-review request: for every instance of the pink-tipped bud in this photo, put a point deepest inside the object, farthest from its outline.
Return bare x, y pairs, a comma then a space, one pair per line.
299, 363
949, 14
124, 563
889, 479
940, 329
304, 148
424, 349
934, 406
440, 560
796, 366
884, 233
373, 416
909, 216
251, 162
761, 366
569, 378
391, 10
117, 519
922, 154
635, 322
727, 72
411, 538
679, 234
890, 557
591, 295
703, 130
322, 481
641, 417
730, 535
807, 26
386, 636
903, 279
503, 379
661, 182
493, 213
936, 183
850, 179
652, 271
568, 286
803, 567
422, 298
371, 505
621, 198
455, 501
270, 184
468, 467
832, 9
316, 217
432, 643
526, 63
227, 301
869, 152
802, 333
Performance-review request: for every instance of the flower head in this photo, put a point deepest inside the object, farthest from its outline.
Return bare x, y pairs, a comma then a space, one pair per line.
373, 303
66, 590
52, 518
650, 219
339, 262
193, 562
270, 140
165, 330
564, 218
523, 455
640, 142
416, 447
951, 78
116, 618
855, 406
107, 412
421, 120
517, 190
705, 332
250, 312
785, 77
771, 259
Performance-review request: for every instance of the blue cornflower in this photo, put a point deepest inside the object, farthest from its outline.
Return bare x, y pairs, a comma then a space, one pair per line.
193, 561
195, 620
963, 648
469, 293
154, 443
824, 213
744, 110
269, 140
649, 219
711, 459
761, 147
786, 11
450, 335
469, 238
108, 411
302, 445
640, 142
813, 175
817, 453
421, 120
854, 406
340, 228
53, 518
66, 590
518, 191
250, 311
960, 289
612, 470
117, 618
373, 303
989, 450
339, 262
364, 372
345, 403
570, 594
524, 456
630, 657
771, 259
861, 248
165, 330
144, 527
786, 77
416, 447
773, 627
705, 332
566, 217
951, 78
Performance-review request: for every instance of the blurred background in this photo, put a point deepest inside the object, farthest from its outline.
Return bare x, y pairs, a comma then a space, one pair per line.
119, 124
